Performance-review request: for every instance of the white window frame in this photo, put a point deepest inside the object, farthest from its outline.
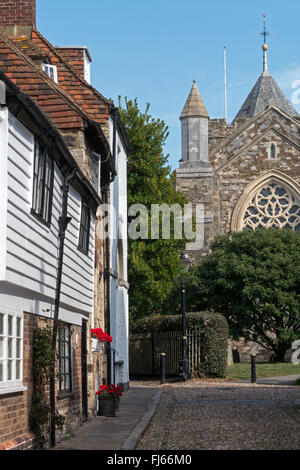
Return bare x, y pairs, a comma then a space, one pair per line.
48, 68
11, 350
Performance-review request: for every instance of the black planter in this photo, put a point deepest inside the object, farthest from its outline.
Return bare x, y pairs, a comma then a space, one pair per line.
117, 401
106, 408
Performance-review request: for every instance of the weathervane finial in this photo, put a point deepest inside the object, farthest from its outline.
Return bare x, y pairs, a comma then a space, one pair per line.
265, 33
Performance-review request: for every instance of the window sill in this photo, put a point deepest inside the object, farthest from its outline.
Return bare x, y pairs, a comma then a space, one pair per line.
11, 390
86, 253
40, 219
63, 395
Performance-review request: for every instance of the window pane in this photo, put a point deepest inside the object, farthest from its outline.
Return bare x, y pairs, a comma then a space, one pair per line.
9, 370
67, 382
19, 327
10, 325
67, 366
18, 349
84, 228
1, 347
1, 371
64, 359
10, 348
1, 323
42, 182
67, 335
18, 370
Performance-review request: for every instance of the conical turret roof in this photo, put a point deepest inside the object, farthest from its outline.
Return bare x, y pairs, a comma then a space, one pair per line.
265, 92
194, 106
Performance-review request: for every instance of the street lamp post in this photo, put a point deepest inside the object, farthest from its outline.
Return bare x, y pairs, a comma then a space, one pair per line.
185, 363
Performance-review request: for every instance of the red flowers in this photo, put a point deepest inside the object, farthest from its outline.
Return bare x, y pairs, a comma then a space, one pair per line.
100, 335
109, 392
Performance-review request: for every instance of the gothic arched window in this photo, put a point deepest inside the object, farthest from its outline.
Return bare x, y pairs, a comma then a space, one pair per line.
272, 206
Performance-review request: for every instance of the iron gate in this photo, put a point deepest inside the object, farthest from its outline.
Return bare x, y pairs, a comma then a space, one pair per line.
145, 350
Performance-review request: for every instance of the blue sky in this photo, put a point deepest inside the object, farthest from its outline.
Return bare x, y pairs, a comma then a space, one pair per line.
152, 50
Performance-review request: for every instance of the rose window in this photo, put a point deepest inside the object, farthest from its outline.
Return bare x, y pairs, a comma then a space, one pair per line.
273, 206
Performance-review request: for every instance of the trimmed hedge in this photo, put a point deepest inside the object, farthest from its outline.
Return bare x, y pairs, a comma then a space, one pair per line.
214, 335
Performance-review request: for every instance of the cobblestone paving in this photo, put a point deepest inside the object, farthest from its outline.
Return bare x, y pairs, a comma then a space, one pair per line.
225, 416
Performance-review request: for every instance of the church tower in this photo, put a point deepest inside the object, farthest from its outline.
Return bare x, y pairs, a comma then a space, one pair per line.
246, 174
194, 177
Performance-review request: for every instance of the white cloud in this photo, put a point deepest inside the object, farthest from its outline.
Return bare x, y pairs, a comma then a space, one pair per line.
289, 81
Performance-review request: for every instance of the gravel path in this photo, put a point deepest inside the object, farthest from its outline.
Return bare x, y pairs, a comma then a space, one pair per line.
225, 416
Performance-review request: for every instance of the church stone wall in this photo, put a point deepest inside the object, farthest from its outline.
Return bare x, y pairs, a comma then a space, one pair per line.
254, 160
218, 132
199, 190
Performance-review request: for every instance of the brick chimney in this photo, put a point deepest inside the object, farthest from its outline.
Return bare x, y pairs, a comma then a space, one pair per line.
17, 17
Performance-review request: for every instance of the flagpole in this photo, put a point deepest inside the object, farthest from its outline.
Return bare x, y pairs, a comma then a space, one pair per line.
225, 83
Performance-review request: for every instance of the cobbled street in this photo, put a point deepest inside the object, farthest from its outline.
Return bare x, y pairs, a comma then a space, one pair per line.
225, 416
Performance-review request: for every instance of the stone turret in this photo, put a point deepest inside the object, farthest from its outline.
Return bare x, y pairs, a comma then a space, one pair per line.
194, 130
194, 177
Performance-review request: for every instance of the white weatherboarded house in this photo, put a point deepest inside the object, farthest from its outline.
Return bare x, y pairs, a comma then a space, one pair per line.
119, 317
34, 164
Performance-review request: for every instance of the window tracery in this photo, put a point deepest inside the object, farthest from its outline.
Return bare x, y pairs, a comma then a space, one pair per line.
273, 206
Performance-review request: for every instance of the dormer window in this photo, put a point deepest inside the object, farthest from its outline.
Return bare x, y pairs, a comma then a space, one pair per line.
51, 71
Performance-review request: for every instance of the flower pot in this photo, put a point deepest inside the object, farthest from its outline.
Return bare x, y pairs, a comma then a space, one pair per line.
106, 408
97, 346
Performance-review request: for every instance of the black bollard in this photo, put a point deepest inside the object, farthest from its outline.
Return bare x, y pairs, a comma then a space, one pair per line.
163, 368
253, 369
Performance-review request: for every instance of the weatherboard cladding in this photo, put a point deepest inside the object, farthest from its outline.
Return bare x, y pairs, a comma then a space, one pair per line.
31, 260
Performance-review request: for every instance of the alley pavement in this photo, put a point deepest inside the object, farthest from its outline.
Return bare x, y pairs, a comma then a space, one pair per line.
137, 407
198, 415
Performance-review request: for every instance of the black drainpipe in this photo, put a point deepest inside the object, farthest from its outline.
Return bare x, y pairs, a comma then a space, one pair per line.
107, 276
62, 224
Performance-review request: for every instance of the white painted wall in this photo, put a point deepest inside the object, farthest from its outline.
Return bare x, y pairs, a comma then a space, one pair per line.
118, 231
28, 248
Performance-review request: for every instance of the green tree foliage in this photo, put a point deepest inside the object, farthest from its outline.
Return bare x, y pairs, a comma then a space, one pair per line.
153, 265
253, 278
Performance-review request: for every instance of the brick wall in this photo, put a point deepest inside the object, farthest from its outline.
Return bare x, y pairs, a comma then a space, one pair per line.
18, 12
14, 408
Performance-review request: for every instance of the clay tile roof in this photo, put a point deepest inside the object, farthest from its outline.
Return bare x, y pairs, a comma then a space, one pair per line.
30, 49
95, 104
194, 106
62, 109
